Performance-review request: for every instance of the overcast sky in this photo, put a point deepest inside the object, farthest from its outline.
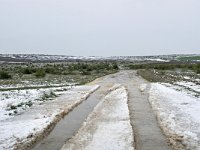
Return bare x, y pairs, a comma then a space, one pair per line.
100, 27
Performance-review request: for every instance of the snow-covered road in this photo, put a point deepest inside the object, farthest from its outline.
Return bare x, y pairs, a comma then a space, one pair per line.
107, 127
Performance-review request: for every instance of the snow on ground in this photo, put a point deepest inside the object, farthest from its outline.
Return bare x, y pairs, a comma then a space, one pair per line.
107, 127
158, 59
34, 84
27, 127
14, 102
186, 77
191, 85
178, 113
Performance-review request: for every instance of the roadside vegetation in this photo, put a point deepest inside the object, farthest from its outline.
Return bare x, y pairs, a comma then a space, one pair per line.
185, 77
4, 75
33, 75
168, 66
167, 72
25, 84
189, 58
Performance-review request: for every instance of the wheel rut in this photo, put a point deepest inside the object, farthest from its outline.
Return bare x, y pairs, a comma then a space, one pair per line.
147, 133
70, 124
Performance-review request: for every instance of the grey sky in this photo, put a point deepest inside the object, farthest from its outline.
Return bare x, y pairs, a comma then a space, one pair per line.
100, 27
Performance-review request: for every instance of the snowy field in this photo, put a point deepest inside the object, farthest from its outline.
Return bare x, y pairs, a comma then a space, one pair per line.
15, 102
107, 127
24, 129
190, 85
178, 112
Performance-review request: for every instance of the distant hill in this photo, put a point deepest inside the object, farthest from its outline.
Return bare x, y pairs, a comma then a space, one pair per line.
16, 58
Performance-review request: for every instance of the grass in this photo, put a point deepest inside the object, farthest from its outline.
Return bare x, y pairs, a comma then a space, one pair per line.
167, 66
149, 75
167, 76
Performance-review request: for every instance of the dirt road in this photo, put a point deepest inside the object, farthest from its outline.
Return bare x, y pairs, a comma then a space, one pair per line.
147, 134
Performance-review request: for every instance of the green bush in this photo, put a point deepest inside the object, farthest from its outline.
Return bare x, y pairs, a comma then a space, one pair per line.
169, 66
115, 66
198, 71
40, 73
27, 71
85, 72
5, 75
52, 70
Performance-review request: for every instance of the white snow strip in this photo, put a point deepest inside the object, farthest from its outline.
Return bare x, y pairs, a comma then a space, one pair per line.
25, 127
158, 59
187, 78
107, 127
178, 113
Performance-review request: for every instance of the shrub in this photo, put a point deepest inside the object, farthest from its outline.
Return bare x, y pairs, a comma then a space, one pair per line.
198, 66
85, 72
198, 71
27, 71
52, 94
115, 66
45, 96
13, 107
4, 75
51, 70
40, 73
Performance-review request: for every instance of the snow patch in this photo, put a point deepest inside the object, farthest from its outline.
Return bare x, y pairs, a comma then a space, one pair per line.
25, 128
178, 113
15, 102
190, 85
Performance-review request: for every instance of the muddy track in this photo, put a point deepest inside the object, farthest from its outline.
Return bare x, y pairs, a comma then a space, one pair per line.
147, 133
68, 126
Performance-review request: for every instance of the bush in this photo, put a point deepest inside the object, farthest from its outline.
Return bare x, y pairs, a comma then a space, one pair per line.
27, 71
52, 70
198, 71
40, 73
85, 72
168, 66
4, 75
115, 66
